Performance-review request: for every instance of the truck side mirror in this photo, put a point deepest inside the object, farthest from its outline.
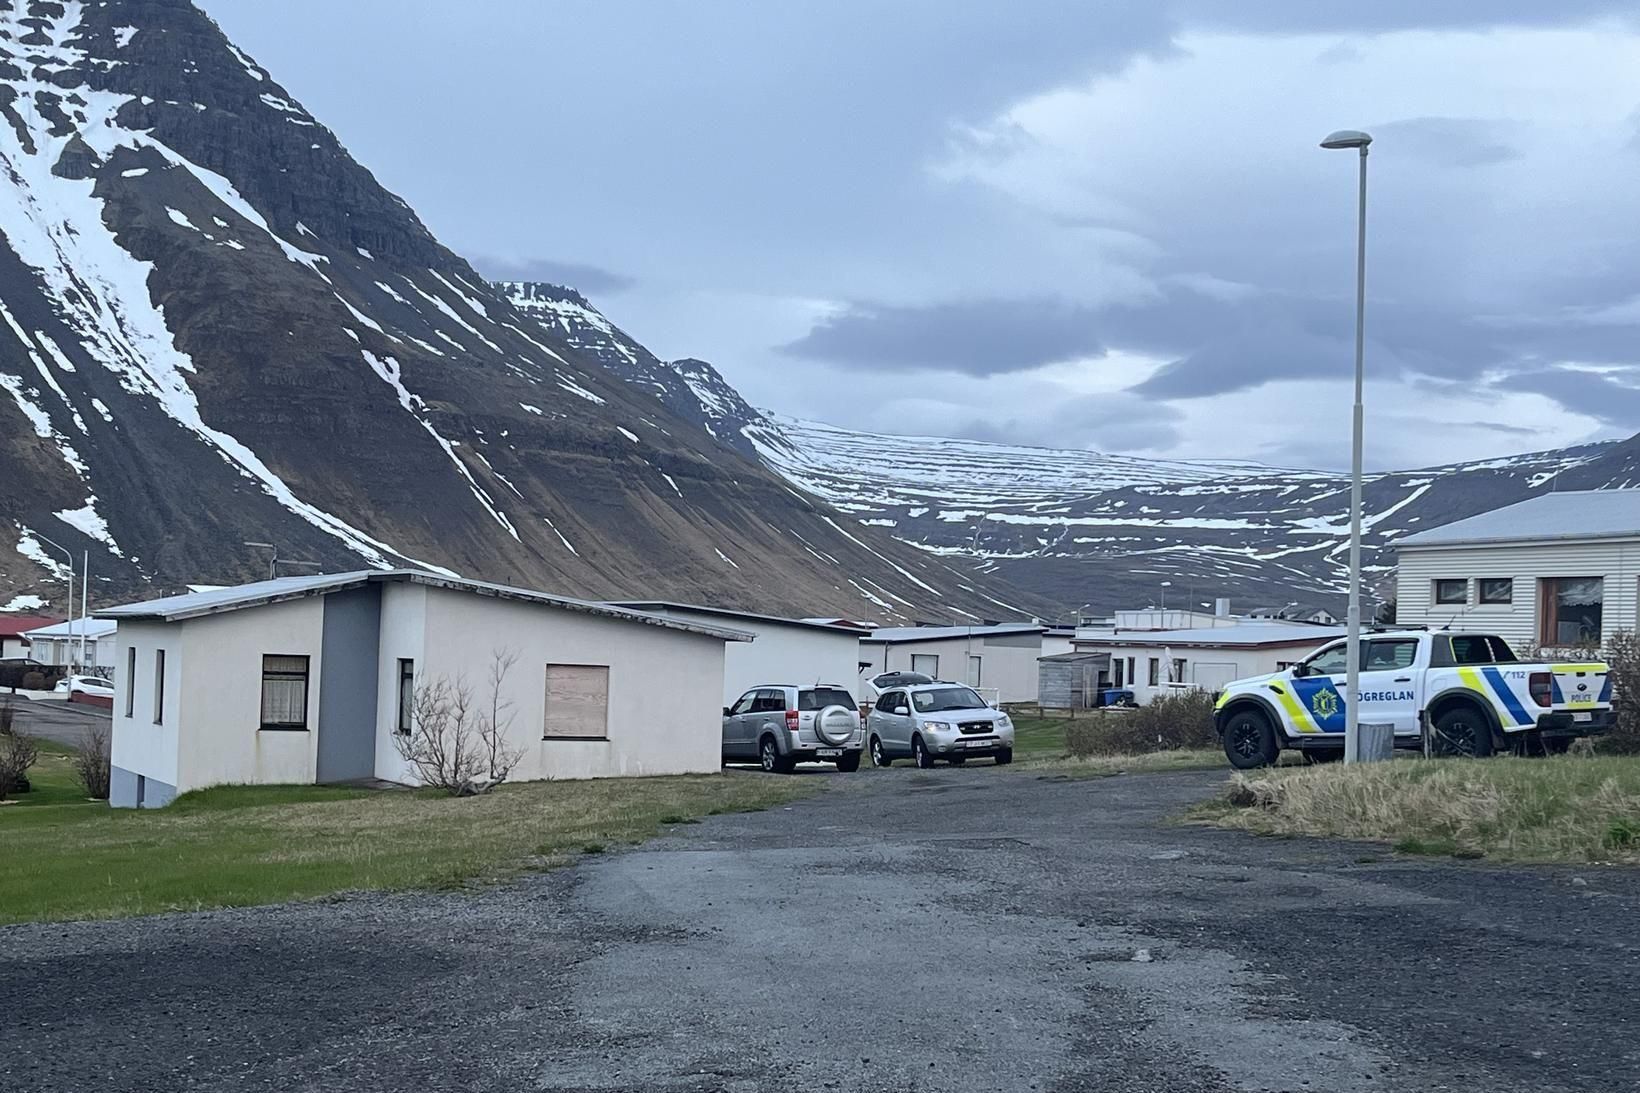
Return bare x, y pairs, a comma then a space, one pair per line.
1300, 670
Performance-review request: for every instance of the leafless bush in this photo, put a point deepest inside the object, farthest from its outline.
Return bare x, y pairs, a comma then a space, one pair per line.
8, 717
1179, 719
91, 762
453, 744
17, 755
1622, 656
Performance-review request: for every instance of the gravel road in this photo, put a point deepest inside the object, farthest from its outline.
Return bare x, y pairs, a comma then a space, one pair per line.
946, 930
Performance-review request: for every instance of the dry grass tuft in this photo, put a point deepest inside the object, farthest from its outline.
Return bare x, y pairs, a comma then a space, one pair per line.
1564, 809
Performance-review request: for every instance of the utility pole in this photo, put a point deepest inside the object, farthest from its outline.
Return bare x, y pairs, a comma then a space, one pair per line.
70, 556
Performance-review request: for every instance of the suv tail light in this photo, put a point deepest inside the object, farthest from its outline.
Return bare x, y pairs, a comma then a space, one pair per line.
791, 720
1542, 686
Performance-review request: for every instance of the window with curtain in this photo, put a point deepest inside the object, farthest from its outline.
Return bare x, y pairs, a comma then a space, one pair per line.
284, 692
1572, 610
1155, 671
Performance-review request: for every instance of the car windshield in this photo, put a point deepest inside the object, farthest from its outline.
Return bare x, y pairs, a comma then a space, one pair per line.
947, 698
821, 697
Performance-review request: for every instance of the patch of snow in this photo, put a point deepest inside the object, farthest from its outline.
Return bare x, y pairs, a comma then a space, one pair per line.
628, 433
567, 545
135, 172
725, 557
536, 410
23, 603
249, 65
671, 483
576, 389
29, 547
181, 218
89, 522
366, 255
123, 36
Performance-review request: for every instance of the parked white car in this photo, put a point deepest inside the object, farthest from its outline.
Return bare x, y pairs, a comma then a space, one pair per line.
85, 685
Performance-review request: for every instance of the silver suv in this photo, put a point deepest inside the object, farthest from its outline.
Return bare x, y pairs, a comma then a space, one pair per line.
932, 721
780, 725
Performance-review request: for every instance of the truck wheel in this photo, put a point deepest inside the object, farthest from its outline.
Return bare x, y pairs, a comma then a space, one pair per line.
1249, 741
1462, 731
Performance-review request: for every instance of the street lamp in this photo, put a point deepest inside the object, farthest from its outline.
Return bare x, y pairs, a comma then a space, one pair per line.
1354, 138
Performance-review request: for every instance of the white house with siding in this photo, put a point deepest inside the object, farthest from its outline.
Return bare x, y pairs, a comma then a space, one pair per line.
1150, 662
308, 679
1000, 657
785, 650
1558, 570
86, 642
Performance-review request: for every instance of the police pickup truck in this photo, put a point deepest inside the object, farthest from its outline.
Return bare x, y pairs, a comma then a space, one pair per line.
1468, 692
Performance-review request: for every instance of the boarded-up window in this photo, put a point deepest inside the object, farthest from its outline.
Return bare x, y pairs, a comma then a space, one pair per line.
577, 702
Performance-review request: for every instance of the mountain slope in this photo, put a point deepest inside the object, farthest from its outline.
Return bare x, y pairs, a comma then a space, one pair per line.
218, 328
1112, 532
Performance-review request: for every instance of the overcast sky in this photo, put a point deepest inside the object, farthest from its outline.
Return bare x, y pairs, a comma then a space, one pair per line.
1036, 222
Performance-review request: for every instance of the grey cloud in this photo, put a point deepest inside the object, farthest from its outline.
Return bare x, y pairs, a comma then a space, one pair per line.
1601, 396
1306, 16
980, 338
1447, 142
1114, 422
589, 280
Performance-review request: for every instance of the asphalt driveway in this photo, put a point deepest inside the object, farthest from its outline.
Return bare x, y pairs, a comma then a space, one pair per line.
958, 930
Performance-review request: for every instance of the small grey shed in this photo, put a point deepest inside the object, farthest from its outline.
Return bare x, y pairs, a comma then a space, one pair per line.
1070, 681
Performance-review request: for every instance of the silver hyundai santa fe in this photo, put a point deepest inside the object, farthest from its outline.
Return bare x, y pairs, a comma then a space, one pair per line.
932, 721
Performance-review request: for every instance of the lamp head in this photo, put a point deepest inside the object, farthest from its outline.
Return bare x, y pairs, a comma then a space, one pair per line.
1347, 138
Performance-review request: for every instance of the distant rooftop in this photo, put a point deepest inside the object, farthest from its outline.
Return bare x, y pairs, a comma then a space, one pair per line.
895, 635
1580, 514
88, 628
1241, 634
664, 606
195, 604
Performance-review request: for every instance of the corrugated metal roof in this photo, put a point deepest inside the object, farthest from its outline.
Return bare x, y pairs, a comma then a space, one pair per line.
663, 606
894, 635
195, 604
1249, 634
1580, 514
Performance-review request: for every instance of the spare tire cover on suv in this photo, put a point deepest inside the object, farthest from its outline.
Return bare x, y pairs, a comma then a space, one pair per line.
834, 724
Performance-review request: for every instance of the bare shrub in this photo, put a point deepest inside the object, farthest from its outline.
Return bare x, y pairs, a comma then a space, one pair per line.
8, 718
17, 755
33, 681
1246, 792
1174, 720
453, 744
91, 761
1622, 656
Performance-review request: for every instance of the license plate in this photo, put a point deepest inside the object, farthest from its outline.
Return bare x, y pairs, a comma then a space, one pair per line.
1583, 717
976, 743
829, 753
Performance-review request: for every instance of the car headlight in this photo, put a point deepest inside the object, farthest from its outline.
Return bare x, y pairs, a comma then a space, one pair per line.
938, 726
1005, 722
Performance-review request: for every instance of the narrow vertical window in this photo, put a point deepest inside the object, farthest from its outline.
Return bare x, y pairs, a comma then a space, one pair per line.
1155, 671
159, 686
131, 682
407, 695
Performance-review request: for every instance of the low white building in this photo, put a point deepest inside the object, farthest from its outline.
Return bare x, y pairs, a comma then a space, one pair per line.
999, 658
1154, 661
1559, 570
785, 650
308, 679
89, 643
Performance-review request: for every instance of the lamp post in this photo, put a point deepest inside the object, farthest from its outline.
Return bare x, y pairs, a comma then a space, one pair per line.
70, 556
1354, 138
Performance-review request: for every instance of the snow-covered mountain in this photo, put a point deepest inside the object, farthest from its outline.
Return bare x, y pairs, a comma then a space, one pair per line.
217, 327
1113, 531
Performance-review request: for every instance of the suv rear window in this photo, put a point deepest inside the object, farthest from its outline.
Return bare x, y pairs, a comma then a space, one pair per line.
820, 697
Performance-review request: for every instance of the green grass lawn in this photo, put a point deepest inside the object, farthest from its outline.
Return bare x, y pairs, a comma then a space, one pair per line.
53, 782
65, 858
1040, 743
1567, 809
